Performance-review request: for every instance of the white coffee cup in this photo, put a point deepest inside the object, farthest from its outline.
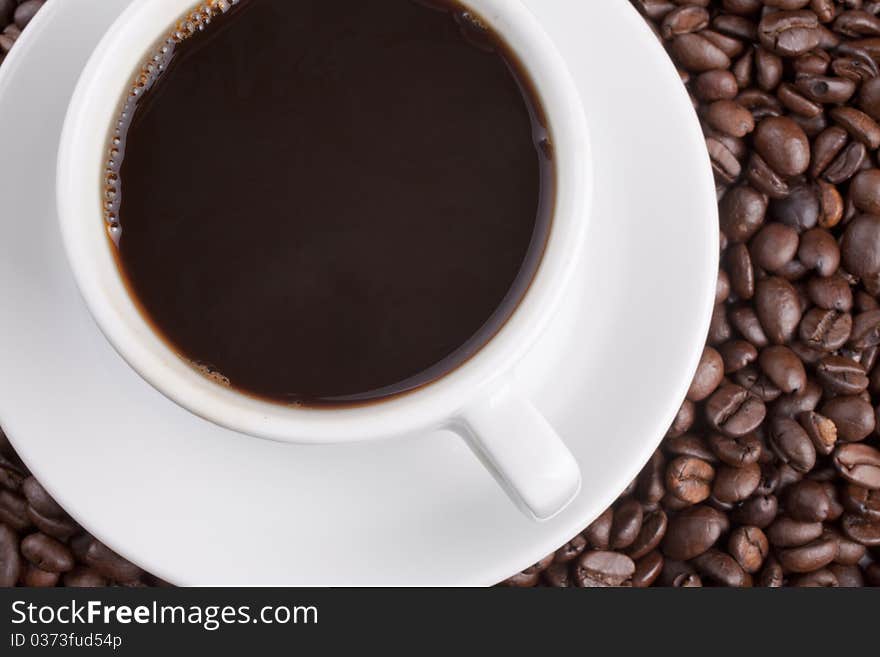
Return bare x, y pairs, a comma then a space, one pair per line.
477, 400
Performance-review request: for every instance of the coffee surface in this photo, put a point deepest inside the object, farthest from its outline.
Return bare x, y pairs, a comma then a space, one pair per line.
333, 201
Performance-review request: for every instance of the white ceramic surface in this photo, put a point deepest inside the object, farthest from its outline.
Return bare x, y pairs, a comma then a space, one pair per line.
197, 504
519, 446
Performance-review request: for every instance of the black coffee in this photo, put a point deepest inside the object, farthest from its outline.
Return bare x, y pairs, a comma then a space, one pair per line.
330, 201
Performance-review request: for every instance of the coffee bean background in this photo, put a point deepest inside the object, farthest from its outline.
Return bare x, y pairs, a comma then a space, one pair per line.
770, 473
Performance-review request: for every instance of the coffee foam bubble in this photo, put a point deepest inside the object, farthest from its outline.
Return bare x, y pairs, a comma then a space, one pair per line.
157, 63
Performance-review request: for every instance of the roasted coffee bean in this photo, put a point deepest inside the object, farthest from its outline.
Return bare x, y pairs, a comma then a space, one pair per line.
849, 552
60, 528
697, 54
825, 330
864, 302
709, 374
758, 510
80, 545
684, 419
865, 330
598, 534
721, 568
791, 444
40, 500
792, 405
783, 368
857, 23
787, 476
852, 415
741, 212
735, 484
110, 564
825, 90
749, 546
872, 574
869, 98
742, 273
795, 102
538, 567
737, 354
719, 328
736, 27
604, 569
684, 20
648, 569
831, 204
865, 531
679, 574
722, 287
689, 445
557, 575
7, 9
861, 501
652, 531
778, 308
864, 191
774, 246
736, 452
84, 577
715, 85
783, 145
26, 11
626, 524
809, 557
769, 476
746, 321
847, 576
822, 578
807, 500
743, 70
821, 431
733, 411
693, 531
826, 147
768, 69
650, 487
11, 476
731, 46
37, 578
841, 376
859, 125
785, 532
524, 580
729, 118
726, 167
689, 479
13, 510
858, 464
771, 575
47, 553
860, 247
789, 33
818, 250
847, 163
10, 561
571, 550
763, 179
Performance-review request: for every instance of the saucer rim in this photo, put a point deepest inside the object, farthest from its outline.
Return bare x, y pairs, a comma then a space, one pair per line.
535, 548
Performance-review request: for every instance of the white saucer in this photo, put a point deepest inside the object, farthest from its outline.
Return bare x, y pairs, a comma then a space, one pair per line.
196, 504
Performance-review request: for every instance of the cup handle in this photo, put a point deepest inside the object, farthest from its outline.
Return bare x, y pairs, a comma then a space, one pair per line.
522, 451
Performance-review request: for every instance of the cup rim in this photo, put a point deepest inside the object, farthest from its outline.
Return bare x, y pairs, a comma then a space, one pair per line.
93, 108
